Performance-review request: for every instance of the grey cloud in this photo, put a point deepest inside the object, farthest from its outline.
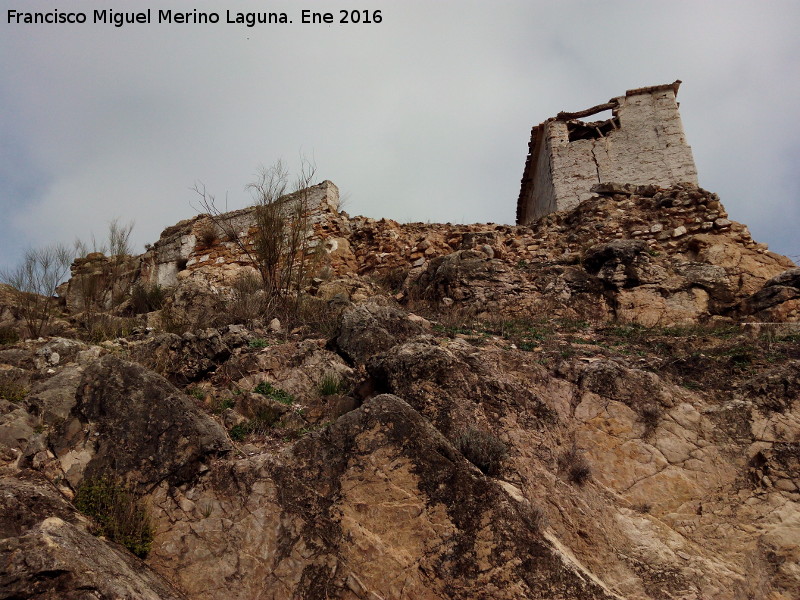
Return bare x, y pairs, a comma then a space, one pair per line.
423, 117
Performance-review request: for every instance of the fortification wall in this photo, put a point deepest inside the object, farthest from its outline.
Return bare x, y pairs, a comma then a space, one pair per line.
182, 247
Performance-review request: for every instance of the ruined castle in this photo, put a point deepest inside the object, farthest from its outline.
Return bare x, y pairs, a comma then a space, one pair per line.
641, 143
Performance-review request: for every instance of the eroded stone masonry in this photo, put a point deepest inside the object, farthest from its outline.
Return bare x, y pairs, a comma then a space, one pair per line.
642, 143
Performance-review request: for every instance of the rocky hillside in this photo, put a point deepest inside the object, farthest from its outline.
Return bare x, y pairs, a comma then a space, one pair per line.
605, 404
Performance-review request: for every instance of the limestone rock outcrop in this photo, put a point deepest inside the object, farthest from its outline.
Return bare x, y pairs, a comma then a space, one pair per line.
47, 551
131, 420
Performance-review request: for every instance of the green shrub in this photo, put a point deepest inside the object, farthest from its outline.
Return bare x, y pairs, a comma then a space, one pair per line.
266, 389
120, 514
11, 389
195, 392
8, 335
264, 420
239, 432
331, 384
146, 298
258, 343
482, 449
224, 404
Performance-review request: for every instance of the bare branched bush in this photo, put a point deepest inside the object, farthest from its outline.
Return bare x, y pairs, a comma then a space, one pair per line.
117, 242
35, 282
278, 245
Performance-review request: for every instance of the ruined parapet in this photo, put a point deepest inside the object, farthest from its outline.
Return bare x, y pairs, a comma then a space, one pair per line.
200, 242
642, 143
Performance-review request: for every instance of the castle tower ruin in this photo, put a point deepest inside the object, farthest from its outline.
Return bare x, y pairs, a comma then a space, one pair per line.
642, 143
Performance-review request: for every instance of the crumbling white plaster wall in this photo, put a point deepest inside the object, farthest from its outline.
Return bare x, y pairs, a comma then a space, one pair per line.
546, 201
648, 148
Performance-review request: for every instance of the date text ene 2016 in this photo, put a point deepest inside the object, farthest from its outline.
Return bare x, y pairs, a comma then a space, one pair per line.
345, 16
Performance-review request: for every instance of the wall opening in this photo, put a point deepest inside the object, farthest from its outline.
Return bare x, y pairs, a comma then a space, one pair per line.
582, 130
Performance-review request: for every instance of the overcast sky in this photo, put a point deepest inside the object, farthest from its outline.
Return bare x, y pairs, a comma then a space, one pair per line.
425, 116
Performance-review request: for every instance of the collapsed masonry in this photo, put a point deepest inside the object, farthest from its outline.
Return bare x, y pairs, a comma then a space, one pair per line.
196, 247
177, 249
642, 143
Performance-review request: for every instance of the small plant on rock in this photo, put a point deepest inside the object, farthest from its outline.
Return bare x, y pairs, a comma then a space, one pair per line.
11, 389
330, 385
208, 235
196, 392
264, 420
239, 432
482, 449
574, 464
146, 298
119, 512
261, 424
650, 415
224, 405
267, 389
8, 335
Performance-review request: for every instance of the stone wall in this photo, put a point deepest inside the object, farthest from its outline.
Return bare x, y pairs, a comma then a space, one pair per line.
642, 143
199, 242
